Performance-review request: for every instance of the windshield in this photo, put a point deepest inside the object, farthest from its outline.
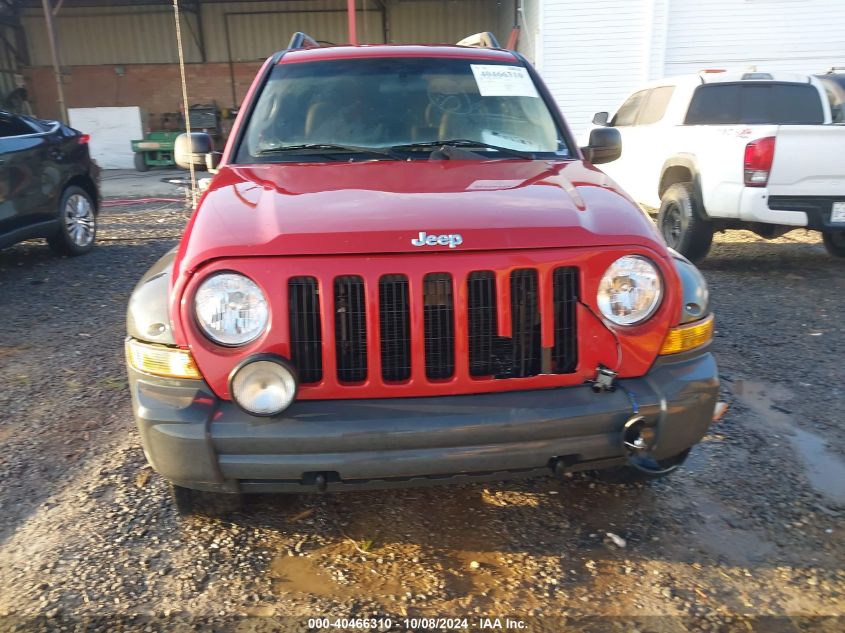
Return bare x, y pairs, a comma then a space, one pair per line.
314, 108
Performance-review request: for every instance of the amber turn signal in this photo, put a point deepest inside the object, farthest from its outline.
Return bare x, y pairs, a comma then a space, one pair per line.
686, 337
160, 360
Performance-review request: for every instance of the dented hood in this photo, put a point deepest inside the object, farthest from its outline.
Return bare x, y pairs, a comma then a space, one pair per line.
383, 206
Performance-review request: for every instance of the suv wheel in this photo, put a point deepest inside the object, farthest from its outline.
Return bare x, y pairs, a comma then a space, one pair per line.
631, 475
834, 243
681, 224
191, 502
77, 223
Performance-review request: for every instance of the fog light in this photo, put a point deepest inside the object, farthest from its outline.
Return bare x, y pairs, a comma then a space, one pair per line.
687, 337
160, 360
264, 385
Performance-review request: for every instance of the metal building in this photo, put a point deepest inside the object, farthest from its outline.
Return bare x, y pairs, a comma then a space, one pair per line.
124, 53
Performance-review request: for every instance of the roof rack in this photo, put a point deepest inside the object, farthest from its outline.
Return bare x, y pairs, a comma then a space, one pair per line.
302, 40
480, 40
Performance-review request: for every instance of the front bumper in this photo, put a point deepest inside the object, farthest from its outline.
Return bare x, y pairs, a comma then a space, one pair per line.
199, 441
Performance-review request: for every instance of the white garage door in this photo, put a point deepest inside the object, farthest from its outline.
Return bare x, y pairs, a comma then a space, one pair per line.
787, 35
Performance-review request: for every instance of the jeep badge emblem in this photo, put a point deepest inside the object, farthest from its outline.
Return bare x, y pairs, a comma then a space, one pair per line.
452, 240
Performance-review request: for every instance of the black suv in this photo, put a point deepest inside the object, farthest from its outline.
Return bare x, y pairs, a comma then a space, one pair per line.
48, 184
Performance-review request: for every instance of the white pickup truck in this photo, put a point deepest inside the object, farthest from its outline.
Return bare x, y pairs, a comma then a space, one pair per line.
716, 151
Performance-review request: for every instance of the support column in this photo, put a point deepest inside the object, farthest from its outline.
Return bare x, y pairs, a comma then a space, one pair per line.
54, 53
350, 14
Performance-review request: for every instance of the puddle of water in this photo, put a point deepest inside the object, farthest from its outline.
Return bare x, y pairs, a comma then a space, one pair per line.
480, 576
298, 574
736, 545
824, 469
304, 575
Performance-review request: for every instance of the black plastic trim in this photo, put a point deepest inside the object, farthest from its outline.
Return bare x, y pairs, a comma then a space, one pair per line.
687, 161
817, 208
41, 229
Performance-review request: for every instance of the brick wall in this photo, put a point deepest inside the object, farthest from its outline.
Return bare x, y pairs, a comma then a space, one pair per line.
155, 88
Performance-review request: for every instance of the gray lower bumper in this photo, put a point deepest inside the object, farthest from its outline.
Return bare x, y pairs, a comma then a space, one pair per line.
197, 440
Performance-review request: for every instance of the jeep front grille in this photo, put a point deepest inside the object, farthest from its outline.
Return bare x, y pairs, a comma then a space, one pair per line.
483, 325
306, 338
350, 329
452, 310
565, 352
395, 328
525, 315
439, 326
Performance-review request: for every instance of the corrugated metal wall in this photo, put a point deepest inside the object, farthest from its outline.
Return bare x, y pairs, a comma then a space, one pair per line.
116, 35
258, 29
8, 63
447, 21
145, 35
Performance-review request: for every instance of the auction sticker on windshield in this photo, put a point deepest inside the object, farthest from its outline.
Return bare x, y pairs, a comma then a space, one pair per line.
503, 81
837, 214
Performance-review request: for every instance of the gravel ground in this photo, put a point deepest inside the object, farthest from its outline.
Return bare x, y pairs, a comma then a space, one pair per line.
752, 527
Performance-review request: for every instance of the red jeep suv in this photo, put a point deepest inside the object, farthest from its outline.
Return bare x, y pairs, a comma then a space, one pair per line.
406, 272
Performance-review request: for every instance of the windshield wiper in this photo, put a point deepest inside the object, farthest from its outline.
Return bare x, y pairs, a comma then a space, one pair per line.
464, 143
327, 148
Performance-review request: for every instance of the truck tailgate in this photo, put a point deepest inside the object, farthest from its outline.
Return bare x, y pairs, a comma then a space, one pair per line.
809, 161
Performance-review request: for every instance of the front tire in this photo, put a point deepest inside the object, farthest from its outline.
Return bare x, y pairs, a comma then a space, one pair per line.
77, 223
631, 475
834, 243
190, 502
681, 223
141, 162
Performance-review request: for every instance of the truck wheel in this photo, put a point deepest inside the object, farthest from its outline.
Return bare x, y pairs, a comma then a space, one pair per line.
834, 243
141, 162
631, 475
77, 223
681, 224
190, 502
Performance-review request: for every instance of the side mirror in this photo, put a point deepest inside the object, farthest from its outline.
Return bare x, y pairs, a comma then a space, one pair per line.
605, 146
601, 118
191, 150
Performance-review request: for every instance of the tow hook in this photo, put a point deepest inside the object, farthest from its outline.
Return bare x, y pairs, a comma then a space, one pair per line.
639, 439
604, 380
560, 465
320, 482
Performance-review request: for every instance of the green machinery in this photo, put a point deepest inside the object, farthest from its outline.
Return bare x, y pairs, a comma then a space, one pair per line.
154, 150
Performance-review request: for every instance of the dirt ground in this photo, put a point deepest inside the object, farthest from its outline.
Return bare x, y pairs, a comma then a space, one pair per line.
747, 536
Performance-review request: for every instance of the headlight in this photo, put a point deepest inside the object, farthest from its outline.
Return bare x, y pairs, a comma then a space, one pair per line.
264, 385
630, 290
231, 309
